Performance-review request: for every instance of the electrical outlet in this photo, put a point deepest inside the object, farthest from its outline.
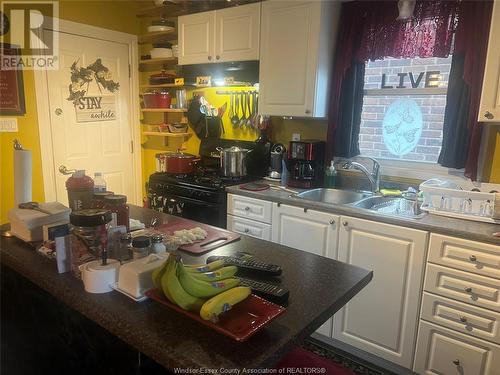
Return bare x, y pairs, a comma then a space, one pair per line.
296, 137
8, 125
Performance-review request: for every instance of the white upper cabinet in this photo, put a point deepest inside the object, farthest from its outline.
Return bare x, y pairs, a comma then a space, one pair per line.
196, 38
382, 319
489, 110
230, 34
296, 57
237, 33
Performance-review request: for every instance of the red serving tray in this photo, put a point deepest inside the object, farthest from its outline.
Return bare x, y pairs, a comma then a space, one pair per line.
239, 323
216, 237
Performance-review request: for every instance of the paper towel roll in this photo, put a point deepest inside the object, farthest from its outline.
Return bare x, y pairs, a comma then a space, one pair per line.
22, 176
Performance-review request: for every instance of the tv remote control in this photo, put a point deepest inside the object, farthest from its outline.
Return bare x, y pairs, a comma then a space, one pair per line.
268, 291
249, 265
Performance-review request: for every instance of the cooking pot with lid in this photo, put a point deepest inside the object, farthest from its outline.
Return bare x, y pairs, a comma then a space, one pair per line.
233, 161
176, 162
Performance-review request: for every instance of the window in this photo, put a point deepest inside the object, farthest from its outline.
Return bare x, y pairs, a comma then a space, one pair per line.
403, 109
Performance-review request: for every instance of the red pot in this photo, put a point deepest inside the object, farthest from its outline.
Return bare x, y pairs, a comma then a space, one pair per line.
179, 163
157, 99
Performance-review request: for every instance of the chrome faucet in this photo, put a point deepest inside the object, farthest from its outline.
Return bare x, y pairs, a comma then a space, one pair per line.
373, 176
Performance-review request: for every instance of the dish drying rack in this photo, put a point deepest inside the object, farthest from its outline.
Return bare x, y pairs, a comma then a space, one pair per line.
446, 198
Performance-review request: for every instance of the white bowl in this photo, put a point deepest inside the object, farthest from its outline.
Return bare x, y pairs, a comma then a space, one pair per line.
161, 53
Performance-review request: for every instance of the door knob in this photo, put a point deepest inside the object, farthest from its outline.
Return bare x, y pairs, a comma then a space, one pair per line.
345, 223
247, 230
332, 221
468, 289
472, 258
463, 319
489, 115
58, 111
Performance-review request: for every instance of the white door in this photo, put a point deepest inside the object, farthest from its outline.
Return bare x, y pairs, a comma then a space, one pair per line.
490, 100
441, 351
288, 57
97, 141
382, 319
197, 38
237, 33
312, 231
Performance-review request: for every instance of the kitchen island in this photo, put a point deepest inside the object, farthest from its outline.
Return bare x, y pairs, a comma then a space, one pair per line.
318, 288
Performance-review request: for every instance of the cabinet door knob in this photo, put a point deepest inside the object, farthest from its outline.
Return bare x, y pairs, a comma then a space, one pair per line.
463, 319
247, 230
209, 58
489, 115
472, 258
456, 362
345, 223
332, 221
468, 289
247, 208
307, 111
217, 57
58, 111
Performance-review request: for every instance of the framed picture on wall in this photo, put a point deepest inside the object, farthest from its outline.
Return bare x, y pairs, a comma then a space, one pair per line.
11, 87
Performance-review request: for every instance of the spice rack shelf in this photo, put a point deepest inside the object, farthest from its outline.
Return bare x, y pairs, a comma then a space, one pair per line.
166, 136
158, 36
163, 110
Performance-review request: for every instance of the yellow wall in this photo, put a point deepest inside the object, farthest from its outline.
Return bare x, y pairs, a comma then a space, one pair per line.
114, 15
494, 175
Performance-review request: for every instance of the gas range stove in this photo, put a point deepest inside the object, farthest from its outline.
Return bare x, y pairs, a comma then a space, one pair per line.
201, 196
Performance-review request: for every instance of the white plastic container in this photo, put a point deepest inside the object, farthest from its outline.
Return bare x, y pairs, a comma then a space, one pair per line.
136, 277
98, 278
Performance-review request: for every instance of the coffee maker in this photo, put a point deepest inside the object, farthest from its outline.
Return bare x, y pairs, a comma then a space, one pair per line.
306, 163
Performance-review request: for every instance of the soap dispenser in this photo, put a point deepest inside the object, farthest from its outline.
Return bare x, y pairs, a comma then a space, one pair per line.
330, 176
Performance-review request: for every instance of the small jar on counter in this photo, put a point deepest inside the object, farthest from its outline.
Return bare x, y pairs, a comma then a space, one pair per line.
89, 236
157, 245
117, 204
98, 199
141, 246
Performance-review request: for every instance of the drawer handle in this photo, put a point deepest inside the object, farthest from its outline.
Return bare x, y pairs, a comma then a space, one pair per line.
305, 209
247, 208
489, 115
472, 258
463, 319
456, 362
468, 289
247, 230
332, 221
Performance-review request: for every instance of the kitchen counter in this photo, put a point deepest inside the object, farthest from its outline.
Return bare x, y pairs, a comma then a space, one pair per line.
471, 230
318, 288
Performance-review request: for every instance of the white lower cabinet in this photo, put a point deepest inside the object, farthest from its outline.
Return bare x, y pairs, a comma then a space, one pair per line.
382, 319
442, 351
249, 227
308, 230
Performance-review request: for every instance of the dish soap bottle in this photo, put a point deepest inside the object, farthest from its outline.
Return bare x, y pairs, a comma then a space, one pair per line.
330, 176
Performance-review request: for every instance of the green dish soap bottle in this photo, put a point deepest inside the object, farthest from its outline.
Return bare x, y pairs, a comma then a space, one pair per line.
330, 176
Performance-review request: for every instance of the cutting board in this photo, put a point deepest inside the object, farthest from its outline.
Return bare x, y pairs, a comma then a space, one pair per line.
216, 237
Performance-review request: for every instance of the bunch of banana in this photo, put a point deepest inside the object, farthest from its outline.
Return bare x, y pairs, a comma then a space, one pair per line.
209, 289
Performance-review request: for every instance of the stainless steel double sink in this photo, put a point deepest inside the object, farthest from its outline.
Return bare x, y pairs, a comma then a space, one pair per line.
394, 206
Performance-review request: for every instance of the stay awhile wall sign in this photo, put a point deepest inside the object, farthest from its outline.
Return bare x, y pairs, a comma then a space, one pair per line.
91, 108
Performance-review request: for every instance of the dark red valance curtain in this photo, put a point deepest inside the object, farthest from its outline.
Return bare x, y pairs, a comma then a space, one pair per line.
369, 30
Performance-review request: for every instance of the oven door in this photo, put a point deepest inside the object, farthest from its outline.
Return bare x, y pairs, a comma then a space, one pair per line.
188, 208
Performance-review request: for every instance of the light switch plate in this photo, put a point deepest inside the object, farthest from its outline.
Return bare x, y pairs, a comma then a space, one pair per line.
8, 125
296, 137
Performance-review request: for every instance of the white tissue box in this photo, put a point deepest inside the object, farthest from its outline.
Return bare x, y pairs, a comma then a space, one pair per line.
136, 277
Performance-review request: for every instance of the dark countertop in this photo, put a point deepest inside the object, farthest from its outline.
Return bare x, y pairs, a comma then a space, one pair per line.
470, 230
318, 288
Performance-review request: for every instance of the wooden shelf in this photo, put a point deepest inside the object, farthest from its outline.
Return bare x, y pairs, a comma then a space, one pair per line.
164, 110
166, 60
165, 85
158, 36
166, 134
